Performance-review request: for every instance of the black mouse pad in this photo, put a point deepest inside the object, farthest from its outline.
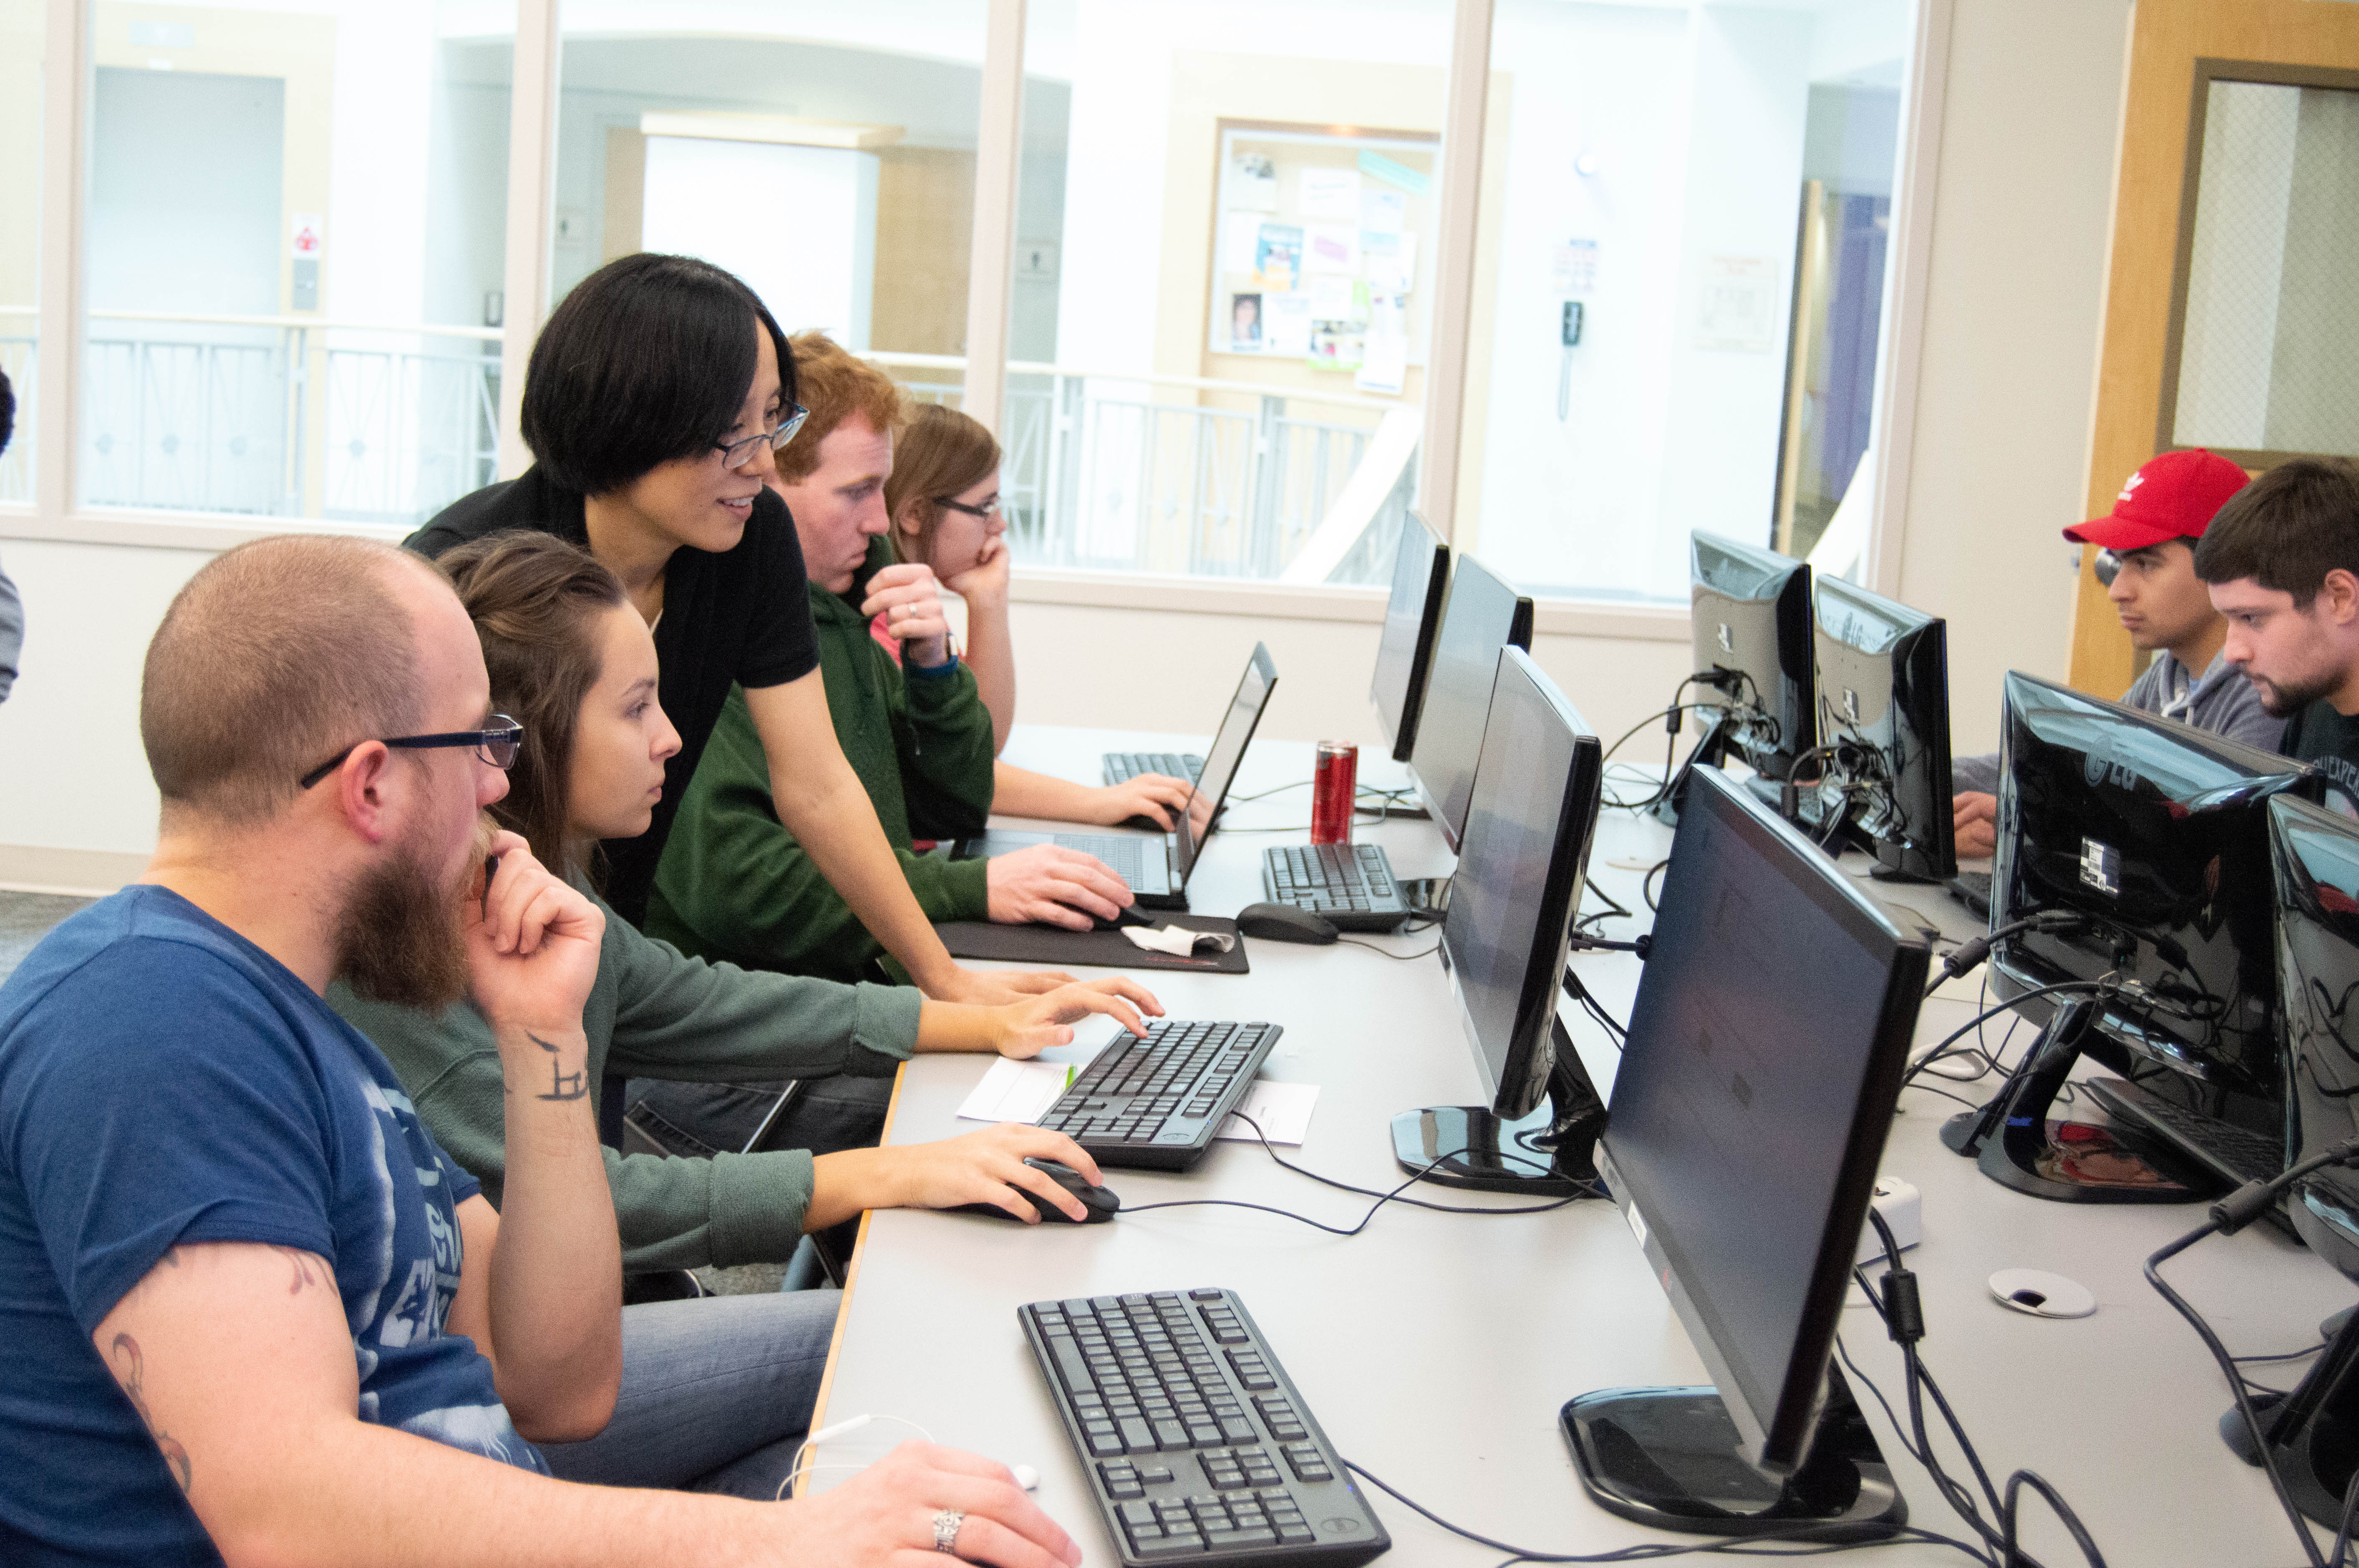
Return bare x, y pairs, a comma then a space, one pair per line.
1055, 945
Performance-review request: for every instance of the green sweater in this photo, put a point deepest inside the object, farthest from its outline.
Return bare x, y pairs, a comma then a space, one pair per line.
653, 1013
734, 884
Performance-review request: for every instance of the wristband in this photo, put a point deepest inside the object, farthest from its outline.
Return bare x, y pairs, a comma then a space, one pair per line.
936, 672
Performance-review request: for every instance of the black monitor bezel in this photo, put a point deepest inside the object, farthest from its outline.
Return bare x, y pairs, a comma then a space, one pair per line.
1519, 636
1780, 1442
1517, 1082
1920, 660
2017, 966
1401, 731
1186, 844
1796, 650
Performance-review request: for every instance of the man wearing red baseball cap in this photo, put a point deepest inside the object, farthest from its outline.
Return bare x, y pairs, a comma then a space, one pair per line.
2146, 561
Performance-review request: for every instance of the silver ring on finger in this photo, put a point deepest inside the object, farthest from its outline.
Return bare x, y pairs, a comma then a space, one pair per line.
946, 1531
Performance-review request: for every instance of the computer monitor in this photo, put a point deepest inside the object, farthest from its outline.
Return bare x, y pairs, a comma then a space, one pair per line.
2152, 837
2314, 860
1412, 617
1483, 615
1751, 617
1521, 861
1884, 705
1765, 1051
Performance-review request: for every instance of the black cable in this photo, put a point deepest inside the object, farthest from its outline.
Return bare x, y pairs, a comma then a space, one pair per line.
1943, 1049
1381, 953
1975, 950
2229, 1216
1646, 885
1816, 1538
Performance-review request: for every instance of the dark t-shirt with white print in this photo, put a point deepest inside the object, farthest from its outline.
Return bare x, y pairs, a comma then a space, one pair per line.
164, 1081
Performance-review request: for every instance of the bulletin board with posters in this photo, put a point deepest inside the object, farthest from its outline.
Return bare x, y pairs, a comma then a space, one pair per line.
1323, 246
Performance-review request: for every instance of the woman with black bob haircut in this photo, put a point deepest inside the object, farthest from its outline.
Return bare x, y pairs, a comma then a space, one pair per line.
653, 401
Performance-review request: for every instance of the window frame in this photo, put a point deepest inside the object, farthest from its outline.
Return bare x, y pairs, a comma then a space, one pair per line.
67, 54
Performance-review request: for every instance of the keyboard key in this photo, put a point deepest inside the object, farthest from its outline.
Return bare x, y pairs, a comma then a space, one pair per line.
1219, 1539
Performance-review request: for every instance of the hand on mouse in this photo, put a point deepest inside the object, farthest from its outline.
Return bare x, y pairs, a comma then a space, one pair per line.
1028, 1028
979, 1167
1054, 886
910, 601
887, 1514
1154, 797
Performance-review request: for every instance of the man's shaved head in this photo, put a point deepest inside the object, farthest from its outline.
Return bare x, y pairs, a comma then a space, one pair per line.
277, 655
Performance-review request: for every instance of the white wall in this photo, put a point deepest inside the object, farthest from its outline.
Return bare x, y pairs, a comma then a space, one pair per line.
798, 225
2007, 380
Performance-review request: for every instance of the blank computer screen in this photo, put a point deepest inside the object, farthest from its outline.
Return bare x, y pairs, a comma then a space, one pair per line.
1734, 1103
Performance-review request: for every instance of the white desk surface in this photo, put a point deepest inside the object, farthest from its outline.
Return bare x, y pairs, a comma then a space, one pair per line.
1435, 1349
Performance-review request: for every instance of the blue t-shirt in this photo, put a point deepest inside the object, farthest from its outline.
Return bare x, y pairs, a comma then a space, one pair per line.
163, 1080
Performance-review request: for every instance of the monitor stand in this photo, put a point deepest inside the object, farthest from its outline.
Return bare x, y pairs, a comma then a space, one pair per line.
1672, 1459
1547, 1155
1712, 750
2309, 1430
2016, 1146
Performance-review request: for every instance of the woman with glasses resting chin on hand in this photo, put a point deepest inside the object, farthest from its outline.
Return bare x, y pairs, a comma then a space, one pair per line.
943, 499
572, 660
653, 401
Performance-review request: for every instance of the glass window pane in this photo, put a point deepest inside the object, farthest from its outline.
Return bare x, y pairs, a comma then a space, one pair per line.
20, 228
1226, 232
294, 255
811, 151
1679, 188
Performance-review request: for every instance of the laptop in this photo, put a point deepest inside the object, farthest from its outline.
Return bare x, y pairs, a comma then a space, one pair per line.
1158, 873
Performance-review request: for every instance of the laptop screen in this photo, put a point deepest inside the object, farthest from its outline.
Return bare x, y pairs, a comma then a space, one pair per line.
1228, 749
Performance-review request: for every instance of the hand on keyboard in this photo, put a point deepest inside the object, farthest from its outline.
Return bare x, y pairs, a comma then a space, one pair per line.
886, 1514
1024, 1029
1152, 798
1050, 885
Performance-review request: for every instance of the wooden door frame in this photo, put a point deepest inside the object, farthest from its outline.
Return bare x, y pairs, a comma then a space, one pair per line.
2167, 40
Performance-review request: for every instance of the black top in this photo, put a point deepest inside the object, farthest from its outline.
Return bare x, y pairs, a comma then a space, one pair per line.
2320, 735
742, 616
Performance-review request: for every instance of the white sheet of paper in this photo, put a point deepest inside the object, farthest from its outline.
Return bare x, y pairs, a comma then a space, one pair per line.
1331, 195
1286, 322
1283, 1109
1023, 1091
1239, 238
1381, 209
1334, 299
1331, 248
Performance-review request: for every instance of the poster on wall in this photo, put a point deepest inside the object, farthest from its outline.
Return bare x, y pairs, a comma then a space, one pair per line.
1574, 268
1245, 323
1277, 256
1737, 308
1253, 183
1286, 324
1315, 235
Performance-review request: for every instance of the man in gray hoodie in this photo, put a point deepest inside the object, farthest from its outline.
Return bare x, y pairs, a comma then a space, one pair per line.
2148, 564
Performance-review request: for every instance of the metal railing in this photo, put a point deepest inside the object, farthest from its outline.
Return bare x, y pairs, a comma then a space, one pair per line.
276, 416
1146, 473
296, 417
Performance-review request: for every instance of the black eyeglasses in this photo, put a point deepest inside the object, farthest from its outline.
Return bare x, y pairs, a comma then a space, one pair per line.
497, 743
738, 454
986, 512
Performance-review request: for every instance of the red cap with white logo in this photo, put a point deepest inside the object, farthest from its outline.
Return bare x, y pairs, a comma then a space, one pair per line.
2173, 497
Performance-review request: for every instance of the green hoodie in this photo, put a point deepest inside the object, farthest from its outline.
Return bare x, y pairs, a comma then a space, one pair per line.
734, 884
652, 1013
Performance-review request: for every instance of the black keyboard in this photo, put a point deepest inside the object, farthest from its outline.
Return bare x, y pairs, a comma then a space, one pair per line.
1973, 889
1156, 1102
1197, 1445
2235, 1154
1122, 766
1351, 885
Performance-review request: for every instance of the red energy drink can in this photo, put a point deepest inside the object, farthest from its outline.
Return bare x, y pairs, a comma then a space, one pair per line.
1334, 785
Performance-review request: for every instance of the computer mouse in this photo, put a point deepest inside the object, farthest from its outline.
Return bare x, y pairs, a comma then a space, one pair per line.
1101, 1202
1283, 923
1144, 824
1125, 917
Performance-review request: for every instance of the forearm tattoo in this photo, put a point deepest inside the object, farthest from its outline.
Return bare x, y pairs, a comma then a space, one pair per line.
131, 1371
562, 1083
